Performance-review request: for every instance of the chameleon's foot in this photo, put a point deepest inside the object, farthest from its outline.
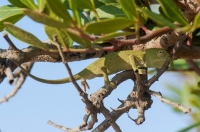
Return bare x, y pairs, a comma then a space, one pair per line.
142, 71
106, 79
110, 84
84, 84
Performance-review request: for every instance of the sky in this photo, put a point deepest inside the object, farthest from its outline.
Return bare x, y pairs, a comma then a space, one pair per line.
36, 103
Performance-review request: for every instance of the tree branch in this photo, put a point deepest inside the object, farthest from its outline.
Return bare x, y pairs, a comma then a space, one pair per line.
176, 105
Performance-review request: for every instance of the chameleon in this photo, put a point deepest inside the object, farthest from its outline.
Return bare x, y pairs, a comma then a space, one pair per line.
113, 63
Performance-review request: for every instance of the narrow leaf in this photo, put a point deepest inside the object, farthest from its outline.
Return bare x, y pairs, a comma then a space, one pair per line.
63, 37
83, 41
172, 11
98, 3
190, 127
66, 3
108, 1
108, 11
129, 7
25, 36
195, 91
84, 19
159, 19
9, 10
30, 4
17, 3
85, 4
61, 11
108, 25
42, 18
113, 35
73, 7
41, 5
11, 19
143, 17
196, 22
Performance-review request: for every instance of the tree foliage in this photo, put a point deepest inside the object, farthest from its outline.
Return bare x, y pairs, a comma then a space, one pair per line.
101, 26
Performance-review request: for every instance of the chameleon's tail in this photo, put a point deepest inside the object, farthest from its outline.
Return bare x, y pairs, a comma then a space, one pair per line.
59, 81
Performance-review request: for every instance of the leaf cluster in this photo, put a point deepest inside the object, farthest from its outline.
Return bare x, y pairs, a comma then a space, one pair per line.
80, 20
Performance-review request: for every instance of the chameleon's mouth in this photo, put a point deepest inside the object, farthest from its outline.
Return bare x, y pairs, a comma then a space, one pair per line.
157, 63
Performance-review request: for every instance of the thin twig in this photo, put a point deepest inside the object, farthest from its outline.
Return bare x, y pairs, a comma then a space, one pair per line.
57, 126
15, 90
9, 74
89, 105
108, 117
90, 123
144, 39
146, 30
174, 104
193, 66
10, 43
130, 117
20, 78
67, 66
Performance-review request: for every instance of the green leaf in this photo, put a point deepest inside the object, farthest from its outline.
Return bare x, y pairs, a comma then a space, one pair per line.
73, 7
108, 1
129, 7
172, 12
174, 90
190, 127
143, 16
41, 5
9, 10
108, 11
42, 18
194, 100
66, 2
83, 41
25, 36
17, 3
159, 19
50, 13
61, 11
108, 25
85, 4
179, 64
195, 91
113, 35
30, 4
163, 14
63, 37
98, 4
84, 19
196, 22
11, 19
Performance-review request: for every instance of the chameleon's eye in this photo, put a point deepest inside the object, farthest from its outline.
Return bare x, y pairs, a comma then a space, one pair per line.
160, 53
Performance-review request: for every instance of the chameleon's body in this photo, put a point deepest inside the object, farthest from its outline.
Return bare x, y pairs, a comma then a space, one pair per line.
115, 62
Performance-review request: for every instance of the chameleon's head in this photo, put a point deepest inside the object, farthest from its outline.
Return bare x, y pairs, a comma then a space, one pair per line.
155, 58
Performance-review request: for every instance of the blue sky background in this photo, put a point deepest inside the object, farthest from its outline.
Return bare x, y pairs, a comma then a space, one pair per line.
36, 103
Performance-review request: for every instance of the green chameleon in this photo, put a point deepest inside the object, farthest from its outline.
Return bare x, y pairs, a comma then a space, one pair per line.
112, 63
